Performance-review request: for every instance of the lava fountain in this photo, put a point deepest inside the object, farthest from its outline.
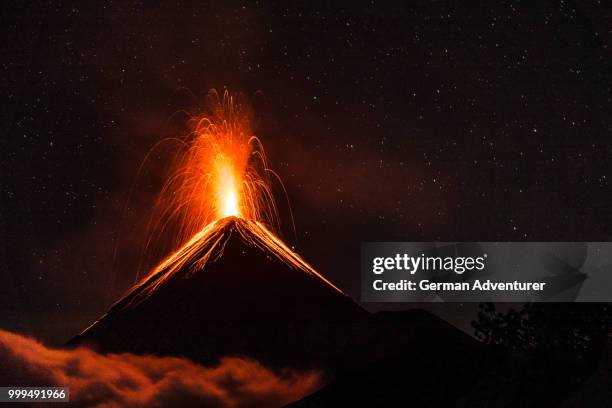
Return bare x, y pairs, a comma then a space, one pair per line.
220, 170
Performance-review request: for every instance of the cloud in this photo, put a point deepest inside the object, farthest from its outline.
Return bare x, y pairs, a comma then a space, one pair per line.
118, 380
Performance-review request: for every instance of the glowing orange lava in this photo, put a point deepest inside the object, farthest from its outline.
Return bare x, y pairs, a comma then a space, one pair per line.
220, 171
228, 190
209, 178
219, 186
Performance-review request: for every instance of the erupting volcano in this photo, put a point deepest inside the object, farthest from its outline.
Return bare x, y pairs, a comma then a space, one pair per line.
232, 286
220, 170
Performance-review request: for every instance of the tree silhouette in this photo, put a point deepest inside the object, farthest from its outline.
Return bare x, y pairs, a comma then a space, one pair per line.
556, 345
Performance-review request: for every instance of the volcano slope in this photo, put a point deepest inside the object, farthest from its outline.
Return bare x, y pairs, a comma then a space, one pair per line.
234, 289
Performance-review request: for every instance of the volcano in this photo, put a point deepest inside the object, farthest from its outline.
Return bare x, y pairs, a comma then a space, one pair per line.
233, 289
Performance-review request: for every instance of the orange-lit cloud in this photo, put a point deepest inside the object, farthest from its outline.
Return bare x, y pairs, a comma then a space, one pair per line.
121, 380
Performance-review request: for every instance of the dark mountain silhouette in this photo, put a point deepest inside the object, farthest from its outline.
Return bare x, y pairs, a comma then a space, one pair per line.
234, 289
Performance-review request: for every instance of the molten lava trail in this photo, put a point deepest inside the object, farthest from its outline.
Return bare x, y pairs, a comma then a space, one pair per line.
208, 245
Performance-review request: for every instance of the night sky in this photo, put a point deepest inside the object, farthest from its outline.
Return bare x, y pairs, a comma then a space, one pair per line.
386, 122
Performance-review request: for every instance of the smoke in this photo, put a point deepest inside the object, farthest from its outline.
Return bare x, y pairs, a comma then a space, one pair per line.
118, 380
